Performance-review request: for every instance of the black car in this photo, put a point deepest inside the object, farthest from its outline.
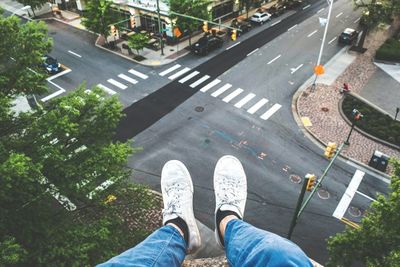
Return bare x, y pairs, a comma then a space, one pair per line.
206, 44
277, 10
243, 26
348, 36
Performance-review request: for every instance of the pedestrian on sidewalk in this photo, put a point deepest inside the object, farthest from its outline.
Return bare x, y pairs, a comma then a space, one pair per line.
345, 89
244, 244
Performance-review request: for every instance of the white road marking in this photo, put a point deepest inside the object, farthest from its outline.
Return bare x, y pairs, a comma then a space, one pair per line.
257, 106
366, 196
199, 81
275, 58
232, 46
322, 9
357, 20
139, 74
244, 100
165, 72
294, 26
338, 15
209, 85
106, 89
307, 6
221, 90
188, 77
118, 84
270, 112
127, 78
334, 38
311, 34
59, 92
179, 73
293, 70
276, 22
73, 53
252, 52
58, 74
232, 95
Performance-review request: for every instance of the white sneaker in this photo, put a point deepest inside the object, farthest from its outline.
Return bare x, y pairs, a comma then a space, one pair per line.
230, 187
177, 191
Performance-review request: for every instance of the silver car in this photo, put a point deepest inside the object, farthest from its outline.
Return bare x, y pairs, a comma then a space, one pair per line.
260, 17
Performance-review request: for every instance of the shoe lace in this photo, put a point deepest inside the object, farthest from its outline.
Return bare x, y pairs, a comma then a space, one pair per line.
174, 199
228, 193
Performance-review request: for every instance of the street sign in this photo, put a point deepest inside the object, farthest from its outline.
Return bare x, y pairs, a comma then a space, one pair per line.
177, 32
319, 70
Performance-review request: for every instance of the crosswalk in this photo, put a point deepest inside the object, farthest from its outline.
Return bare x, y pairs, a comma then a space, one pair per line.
225, 91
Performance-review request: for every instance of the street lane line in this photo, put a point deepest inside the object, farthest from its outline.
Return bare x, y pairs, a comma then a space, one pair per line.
322, 9
127, 78
179, 73
244, 100
275, 58
273, 24
209, 85
139, 74
334, 38
165, 72
117, 84
232, 46
252, 52
307, 6
257, 106
221, 90
270, 112
73, 53
296, 69
294, 26
106, 89
199, 81
357, 20
311, 34
188, 77
366, 196
338, 15
232, 95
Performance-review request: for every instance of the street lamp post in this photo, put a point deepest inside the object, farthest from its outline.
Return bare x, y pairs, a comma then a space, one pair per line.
21, 9
356, 117
159, 28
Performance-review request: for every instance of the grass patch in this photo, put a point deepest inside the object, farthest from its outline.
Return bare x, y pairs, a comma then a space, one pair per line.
374, 122
389, 51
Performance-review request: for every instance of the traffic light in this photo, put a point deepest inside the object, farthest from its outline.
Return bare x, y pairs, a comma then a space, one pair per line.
311, 181
233, 35
113, 30
132, 22
205, 26
330, 150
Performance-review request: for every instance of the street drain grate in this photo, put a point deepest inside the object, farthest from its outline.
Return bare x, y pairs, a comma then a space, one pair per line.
354, 211
199, 109
323, 194
324, 109
295, 178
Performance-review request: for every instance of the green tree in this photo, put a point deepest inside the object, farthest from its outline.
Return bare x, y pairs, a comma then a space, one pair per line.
377, 241
22, 47
34, 4
138, 41
194, 8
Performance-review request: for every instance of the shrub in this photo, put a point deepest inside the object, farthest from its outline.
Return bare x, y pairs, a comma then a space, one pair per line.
389, 51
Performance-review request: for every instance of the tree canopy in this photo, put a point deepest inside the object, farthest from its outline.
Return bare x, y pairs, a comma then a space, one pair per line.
98, 16
138, 41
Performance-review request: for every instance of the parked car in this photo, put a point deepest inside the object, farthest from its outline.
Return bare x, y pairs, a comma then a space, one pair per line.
51, 64
277, 10
260, 17
242, 25
292, 4
348, 36
206, 44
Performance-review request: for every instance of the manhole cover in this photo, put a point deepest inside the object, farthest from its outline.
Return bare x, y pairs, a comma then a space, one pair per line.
199, 109
305, 94
323, 194
354, 211
295, 178
324, 109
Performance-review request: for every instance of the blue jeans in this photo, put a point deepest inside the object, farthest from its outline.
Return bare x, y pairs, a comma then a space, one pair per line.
245, 245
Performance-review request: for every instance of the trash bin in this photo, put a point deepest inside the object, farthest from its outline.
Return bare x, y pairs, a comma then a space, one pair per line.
379, 161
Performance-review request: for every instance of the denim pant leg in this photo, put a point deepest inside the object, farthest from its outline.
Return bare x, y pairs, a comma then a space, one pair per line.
164, 247
246, 245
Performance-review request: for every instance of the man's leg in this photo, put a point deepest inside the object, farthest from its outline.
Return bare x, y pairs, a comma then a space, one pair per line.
180, 235
244, 244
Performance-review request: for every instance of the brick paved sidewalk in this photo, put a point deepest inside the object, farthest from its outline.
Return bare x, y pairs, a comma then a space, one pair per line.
329, 125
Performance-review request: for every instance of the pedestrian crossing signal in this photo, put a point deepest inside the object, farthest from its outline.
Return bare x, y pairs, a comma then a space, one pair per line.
330, 150
113, 30
233, 35
205, 26
132, 22
311, 181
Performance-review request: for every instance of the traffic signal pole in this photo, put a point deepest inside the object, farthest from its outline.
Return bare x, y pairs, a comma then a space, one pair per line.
299, 202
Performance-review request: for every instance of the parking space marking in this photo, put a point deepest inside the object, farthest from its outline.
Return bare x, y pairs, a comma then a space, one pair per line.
188, 77
294, 26
127, 78
252, 52
270, 112
338, 15
232, 46
275, 58
106, 89
73, 53
357, 20
221, 90
232, 95
273, 24
257, 106
179, 73
199, 81
118, 84
244, 100
293, 70
165, 72
334, 38
322, 9
59, 92
139, 74
311, 34
307, 6
209, 85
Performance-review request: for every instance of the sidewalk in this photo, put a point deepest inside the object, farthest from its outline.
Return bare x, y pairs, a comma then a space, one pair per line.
318, 114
